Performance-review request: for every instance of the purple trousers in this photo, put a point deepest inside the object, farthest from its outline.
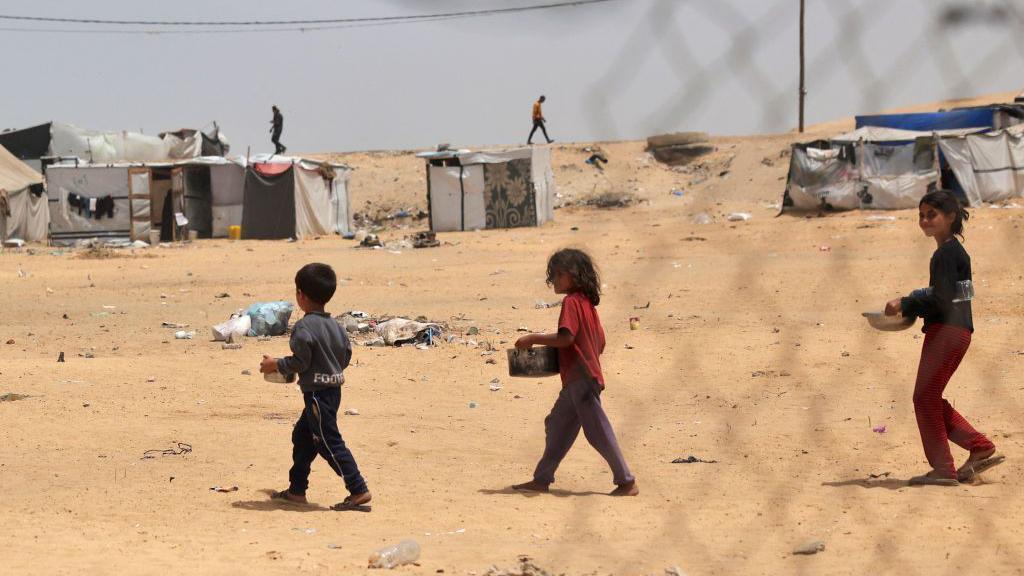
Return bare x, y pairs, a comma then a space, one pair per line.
579, 406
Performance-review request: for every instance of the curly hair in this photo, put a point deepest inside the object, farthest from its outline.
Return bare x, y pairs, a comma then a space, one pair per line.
581, 268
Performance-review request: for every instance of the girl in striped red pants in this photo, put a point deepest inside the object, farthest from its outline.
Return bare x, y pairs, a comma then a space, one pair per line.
945, 307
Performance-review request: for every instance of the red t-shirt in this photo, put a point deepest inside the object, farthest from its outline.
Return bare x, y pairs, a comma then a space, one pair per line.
582, 359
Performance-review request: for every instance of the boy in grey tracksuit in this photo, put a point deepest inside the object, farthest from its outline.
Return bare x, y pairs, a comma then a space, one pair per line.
320, 353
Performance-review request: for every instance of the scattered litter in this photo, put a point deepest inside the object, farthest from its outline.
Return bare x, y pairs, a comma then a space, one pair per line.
495, 385
702, 218
246, 372
305, 530
425, 240
223, 295
269, 318
810, 547
10, 341
224, 488
405, 552
231, 346
691, 459
879, 429
173, 325
183, 335
677, 192
634, 323
473, 404
151, 379
179, 449
540, 305
398, 331
644, 307
87, 354
334, 546
825, 248
880, 475
371, 241
60, 357
13, 397
351, 412
526, 568
739, 217
877, 218
473, 331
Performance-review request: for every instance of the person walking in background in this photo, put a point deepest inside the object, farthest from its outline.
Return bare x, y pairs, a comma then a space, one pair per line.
276, 125
538, 121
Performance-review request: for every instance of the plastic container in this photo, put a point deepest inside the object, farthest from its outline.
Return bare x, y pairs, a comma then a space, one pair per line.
278, 378
234, 232
533, 363
405, 552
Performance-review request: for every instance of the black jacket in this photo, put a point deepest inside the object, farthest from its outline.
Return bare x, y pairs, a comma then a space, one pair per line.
950, 264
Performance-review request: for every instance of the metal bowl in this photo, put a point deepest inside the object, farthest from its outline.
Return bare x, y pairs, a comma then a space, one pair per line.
533, 363
879, 321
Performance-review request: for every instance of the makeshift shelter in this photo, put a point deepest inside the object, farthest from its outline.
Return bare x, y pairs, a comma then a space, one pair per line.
988, 167
889, 171
287, 197
469, 190
37, 144
23, 210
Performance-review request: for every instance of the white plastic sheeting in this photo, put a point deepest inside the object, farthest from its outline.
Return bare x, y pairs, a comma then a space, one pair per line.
821, 178
544, 183
111, 147
989, 167
94, 182
30, 216
227, 182
313, 208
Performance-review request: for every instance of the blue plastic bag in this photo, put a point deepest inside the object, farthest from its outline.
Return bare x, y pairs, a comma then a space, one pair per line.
269, 318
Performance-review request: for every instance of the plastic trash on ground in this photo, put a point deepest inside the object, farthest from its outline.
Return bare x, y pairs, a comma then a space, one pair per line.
233, 328
405, 552
269, 318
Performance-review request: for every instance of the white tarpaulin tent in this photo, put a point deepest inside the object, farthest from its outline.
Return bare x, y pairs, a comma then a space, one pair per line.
469, 190
850, 172
270, 197
98, 147
291, 197
990, 166
23, 212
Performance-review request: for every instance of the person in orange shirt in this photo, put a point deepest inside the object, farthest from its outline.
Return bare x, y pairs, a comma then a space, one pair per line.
538, 121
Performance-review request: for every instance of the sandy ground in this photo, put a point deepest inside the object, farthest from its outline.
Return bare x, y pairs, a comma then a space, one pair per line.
752, 353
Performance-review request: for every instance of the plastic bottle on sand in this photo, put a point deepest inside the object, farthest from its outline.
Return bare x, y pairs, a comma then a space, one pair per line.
405, 552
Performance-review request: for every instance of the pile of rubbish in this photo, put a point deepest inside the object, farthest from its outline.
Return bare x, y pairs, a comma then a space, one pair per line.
260, 319
390, 331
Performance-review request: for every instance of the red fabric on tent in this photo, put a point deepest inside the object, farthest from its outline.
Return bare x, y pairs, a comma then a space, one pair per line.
271, 168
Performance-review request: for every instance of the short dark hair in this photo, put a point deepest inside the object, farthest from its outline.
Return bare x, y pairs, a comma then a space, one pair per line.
946, 202
317, 281
581, 268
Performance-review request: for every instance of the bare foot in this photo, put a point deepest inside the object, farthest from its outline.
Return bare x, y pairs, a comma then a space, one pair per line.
627, 489
288, 496
531, 486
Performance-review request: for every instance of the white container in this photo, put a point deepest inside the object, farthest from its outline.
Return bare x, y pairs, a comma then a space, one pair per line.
154, 236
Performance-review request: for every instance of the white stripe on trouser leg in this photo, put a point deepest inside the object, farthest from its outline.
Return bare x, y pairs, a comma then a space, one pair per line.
323, 438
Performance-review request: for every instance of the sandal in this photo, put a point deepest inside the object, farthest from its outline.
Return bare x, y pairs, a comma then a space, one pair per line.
971, 469
354, 503
933, 479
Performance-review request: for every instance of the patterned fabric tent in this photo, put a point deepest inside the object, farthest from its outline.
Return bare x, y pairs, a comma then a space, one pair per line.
469, 190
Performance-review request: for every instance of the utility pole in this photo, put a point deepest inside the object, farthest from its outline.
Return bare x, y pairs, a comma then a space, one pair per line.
803, 89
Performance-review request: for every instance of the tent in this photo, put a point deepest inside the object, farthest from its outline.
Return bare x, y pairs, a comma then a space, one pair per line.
982, 117
289, 197
469, 190
850, 172
988, 167
271, 197
54, 140
23, 212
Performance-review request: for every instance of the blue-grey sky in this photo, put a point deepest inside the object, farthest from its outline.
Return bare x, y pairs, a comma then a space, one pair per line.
623, 69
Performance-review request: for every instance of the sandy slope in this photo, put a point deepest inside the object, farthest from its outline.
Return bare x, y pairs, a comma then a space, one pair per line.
752, 353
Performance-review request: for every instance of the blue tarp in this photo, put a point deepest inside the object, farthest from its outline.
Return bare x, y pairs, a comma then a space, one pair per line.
926, 122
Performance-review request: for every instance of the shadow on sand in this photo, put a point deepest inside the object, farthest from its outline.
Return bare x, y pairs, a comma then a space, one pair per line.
269, 505
510, 491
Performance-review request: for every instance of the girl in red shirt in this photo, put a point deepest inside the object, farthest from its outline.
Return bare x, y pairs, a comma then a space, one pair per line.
580, 342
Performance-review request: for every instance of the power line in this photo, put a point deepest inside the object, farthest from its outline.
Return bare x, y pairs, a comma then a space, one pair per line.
302, 22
